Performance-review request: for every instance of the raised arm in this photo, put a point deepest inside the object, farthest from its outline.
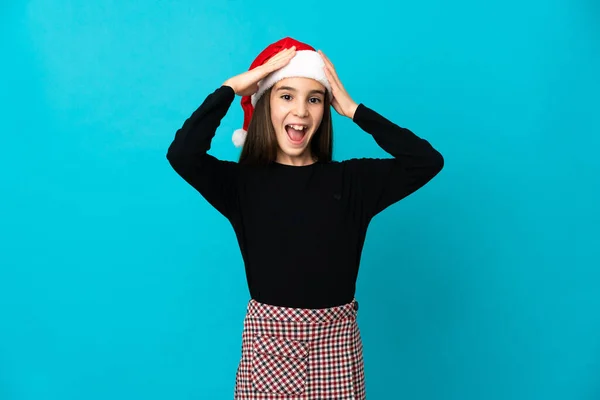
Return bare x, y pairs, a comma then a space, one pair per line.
385, 181
214, 179
382, 182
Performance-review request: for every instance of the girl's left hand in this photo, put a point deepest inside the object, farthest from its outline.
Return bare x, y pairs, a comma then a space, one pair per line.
341, 102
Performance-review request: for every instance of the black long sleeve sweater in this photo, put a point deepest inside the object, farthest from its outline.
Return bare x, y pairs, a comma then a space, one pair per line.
301, 229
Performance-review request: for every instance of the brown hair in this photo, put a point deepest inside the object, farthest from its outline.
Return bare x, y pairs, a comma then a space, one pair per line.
260, 146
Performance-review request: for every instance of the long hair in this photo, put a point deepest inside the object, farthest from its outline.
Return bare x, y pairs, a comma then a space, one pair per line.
260, 146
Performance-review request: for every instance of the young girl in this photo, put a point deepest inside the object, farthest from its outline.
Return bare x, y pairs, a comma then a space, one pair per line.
300, 218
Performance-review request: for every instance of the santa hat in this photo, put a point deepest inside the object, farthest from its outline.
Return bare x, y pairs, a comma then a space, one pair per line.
306, 63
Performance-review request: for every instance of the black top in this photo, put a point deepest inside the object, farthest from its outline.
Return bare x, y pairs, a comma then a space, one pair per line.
301, 229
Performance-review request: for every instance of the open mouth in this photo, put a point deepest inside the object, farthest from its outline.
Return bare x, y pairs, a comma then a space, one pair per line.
296, 133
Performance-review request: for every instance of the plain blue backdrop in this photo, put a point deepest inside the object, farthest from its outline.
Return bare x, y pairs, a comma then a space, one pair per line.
118, 281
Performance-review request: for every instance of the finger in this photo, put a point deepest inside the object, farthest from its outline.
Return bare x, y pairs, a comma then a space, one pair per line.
336, 106
333, 78
330, 78
331, 69
326, 59
276, 63
285, 53
282, 57
338, 80
329, 65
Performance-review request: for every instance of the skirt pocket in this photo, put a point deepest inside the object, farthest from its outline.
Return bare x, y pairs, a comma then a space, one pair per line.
279, 365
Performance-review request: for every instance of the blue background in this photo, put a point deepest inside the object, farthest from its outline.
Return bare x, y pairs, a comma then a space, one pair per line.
118, 281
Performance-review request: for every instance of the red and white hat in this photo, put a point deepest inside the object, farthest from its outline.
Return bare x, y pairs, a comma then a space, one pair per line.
306, 63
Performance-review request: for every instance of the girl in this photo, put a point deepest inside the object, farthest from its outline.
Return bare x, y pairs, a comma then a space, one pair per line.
300, 218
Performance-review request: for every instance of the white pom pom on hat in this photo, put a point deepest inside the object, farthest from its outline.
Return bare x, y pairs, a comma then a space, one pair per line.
306, 63
239, 137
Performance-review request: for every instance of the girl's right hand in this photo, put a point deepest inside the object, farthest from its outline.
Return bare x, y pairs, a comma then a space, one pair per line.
246, 84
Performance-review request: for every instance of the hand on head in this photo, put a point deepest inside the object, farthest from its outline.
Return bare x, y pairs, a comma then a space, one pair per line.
272, 65
246, 84
341, 102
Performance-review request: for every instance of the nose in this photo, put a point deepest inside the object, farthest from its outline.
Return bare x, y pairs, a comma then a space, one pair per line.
301, 109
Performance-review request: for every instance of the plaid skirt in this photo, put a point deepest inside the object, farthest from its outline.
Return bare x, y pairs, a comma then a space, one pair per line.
300, 354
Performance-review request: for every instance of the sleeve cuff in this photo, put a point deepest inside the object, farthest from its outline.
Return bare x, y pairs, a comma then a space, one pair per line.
359, 113
228, 89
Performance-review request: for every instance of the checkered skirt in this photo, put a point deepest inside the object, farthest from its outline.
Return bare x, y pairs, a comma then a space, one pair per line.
300, 354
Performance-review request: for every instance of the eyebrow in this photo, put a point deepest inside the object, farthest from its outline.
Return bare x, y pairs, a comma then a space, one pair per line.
294, 90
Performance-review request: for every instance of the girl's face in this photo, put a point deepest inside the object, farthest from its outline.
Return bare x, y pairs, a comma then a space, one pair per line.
296, 113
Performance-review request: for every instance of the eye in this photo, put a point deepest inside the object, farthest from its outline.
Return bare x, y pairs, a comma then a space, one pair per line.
318, 100
286, 97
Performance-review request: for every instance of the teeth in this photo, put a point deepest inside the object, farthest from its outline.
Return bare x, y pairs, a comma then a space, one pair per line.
298, 127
